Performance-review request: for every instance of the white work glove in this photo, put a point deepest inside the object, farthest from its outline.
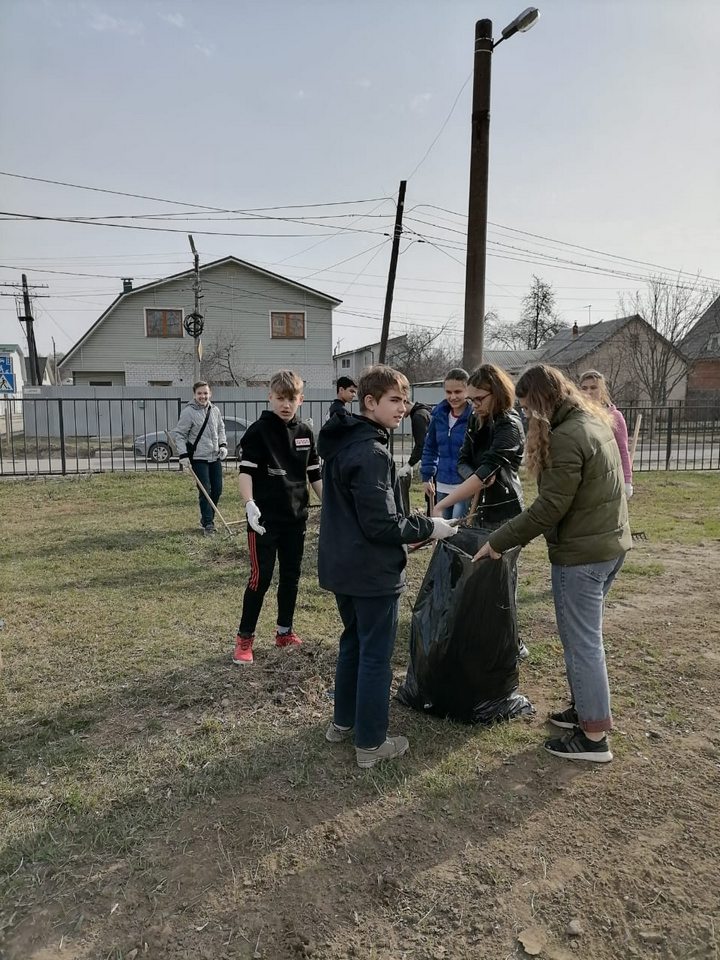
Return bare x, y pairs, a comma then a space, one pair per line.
222, 453
405, 471
628, 490
442, 529
252, 512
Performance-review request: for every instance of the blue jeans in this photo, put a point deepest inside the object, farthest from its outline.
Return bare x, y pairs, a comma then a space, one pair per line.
210, 476
456, 511
579, 592
363, 674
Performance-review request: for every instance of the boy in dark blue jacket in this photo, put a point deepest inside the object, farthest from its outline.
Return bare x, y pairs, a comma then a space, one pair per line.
362, 557
444, 440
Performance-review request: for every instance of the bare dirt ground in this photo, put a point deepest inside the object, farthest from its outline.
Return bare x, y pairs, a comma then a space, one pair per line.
476, 845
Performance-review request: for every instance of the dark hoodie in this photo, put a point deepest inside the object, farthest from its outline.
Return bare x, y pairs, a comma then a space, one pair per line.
363, 531
419, 421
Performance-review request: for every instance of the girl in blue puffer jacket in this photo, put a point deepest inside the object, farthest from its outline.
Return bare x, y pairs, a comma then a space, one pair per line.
444, 440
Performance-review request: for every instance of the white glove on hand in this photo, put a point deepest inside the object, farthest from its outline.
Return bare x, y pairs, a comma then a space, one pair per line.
405, 471
628, 490
222, 453
252, 512
442, 529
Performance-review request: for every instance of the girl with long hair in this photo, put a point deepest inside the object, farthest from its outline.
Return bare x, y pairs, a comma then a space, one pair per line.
581, 510
491, 452
594, 385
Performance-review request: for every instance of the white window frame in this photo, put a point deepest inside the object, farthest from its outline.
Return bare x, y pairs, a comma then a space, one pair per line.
345, 363
149, 336
304, 316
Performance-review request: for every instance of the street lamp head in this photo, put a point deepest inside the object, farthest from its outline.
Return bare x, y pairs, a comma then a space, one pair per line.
522, 23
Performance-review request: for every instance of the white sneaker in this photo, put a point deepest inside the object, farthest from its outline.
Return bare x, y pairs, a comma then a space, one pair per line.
392, 748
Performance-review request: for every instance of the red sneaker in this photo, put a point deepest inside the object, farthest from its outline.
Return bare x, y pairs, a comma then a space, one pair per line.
243, 649
290, 639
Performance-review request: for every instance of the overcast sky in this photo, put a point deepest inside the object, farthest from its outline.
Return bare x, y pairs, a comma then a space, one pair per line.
605, 135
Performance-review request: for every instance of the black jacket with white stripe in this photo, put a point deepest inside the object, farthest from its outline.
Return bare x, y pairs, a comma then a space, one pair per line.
281, 459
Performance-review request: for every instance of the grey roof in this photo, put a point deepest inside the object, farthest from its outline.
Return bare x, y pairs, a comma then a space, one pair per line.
703, 340
11, 348
512, 361
564, 348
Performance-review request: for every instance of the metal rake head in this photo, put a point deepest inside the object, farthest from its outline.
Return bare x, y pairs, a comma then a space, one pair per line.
638, 535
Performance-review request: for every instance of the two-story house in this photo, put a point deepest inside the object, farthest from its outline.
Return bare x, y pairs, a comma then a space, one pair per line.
255, 322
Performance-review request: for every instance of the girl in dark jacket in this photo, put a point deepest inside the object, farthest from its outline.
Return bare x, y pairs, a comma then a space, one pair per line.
492, 450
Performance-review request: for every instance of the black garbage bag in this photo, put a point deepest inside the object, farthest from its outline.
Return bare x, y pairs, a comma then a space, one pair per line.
464, 637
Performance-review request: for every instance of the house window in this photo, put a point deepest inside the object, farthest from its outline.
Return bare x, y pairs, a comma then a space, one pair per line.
345, 363
163, 323
159, 383
287, 326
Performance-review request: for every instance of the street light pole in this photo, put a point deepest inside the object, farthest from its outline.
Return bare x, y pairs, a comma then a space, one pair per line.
478, 199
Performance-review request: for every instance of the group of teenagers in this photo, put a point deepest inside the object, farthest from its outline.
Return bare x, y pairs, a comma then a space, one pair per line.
575, 446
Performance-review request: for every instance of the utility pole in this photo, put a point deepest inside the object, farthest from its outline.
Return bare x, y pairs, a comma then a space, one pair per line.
28, 320
33, 365
478, 199
397, 233
194, 324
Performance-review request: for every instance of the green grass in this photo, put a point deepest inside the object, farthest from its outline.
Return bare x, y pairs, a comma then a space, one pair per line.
119, 705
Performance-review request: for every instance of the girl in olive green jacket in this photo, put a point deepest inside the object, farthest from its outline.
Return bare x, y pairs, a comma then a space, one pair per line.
581, 510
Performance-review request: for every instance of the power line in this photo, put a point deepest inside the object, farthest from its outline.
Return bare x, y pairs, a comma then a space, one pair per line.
182, 203
567, 243
14, 216
440, 131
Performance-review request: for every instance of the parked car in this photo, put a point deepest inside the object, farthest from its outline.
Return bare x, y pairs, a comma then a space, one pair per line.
158, 446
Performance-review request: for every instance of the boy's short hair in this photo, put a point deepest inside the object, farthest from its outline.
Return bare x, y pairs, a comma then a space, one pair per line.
376, 381
286, 383
344, 383
200, 383
457, 373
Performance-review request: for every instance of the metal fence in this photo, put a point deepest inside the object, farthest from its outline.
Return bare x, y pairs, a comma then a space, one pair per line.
45, 436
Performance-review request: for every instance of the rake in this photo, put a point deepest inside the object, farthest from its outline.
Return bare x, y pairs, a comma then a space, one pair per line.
213, 505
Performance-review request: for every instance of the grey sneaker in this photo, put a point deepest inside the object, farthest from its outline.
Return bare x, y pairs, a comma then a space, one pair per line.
209, 530
335, 734
392, 748
523, 652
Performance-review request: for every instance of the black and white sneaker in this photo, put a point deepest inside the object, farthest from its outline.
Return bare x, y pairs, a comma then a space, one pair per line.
523, 652
565, 719
576, 746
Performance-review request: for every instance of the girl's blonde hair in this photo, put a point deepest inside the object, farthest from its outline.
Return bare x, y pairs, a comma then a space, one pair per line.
544, 389
604, 393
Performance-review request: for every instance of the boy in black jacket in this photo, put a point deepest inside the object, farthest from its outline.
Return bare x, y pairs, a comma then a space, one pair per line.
362, 557
278, 460
346, 393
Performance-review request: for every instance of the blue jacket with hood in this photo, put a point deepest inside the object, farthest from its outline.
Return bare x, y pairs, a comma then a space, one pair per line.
363, 530
443, 445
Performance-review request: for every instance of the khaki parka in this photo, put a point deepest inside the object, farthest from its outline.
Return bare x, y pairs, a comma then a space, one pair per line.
581, 507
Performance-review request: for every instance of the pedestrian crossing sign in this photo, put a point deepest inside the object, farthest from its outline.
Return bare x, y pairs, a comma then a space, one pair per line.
7, 382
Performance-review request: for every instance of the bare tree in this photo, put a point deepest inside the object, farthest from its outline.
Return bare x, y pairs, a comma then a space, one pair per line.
538, 321
222, 363
425, 354
670, 309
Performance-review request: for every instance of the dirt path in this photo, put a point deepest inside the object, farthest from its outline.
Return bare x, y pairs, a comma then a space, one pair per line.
453, 854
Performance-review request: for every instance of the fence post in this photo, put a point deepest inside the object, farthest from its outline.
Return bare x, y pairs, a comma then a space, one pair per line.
668, 442
61, 423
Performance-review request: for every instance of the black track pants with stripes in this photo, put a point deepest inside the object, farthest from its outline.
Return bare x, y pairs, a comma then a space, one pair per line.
287, 544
